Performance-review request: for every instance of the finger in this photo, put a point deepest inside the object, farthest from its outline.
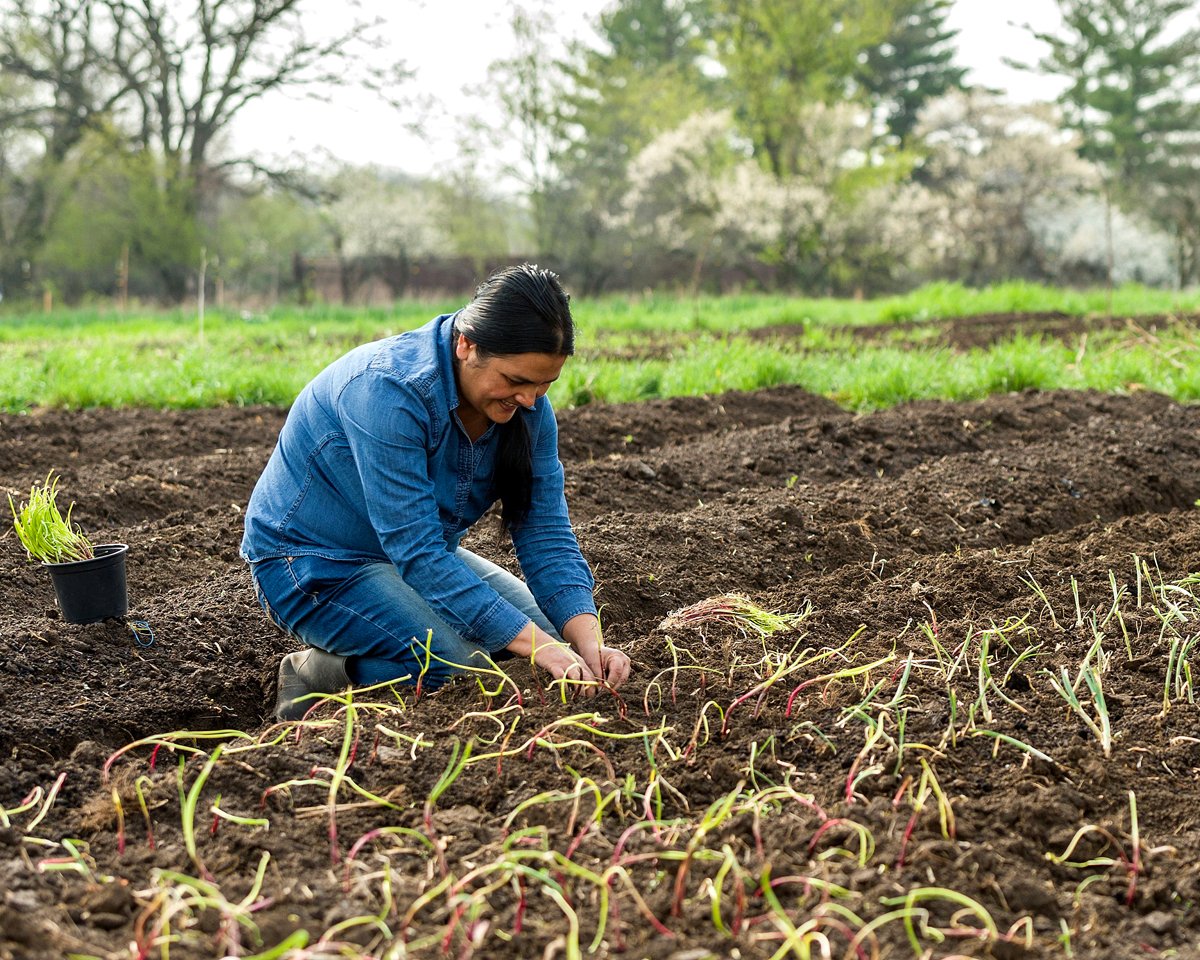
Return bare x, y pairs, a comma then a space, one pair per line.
577, 675
617, 668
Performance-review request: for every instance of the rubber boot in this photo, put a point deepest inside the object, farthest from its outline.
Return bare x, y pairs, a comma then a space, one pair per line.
305, 672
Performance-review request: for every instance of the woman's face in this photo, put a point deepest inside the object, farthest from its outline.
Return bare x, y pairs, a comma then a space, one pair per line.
496, 385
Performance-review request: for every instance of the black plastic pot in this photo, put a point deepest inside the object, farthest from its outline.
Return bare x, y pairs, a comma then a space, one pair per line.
89, 591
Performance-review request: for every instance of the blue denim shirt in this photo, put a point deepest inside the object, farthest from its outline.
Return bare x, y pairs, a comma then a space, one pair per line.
372, 464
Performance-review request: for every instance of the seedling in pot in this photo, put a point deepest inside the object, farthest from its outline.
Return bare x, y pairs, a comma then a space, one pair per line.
44, 532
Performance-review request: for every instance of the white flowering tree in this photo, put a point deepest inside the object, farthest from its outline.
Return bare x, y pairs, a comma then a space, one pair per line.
992, 170
697, 190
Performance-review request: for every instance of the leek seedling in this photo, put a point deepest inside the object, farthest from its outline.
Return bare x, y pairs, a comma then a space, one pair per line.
44, 532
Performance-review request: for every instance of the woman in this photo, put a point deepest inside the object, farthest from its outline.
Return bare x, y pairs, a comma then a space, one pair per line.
387, 457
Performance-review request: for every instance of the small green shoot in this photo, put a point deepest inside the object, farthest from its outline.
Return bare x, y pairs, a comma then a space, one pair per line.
44, 532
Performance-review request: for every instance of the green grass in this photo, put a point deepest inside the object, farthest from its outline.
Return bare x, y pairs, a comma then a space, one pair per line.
629, 349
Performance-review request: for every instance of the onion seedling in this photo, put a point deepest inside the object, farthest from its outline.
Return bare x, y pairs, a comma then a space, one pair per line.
716, 814
44, 532
1131, 861
145, 808
1179, 671
845, 674
32, 799
866, 842
78, 860
989, 931
730, 862
459, 755
120, 811
1091, 677
1012, 742
786, 667
188, 807
1031, 581
738, 610
51, 795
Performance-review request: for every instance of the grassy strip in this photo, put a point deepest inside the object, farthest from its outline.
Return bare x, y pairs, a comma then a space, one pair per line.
629, 351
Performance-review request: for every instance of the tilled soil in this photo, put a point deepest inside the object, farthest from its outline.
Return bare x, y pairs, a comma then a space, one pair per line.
892, 774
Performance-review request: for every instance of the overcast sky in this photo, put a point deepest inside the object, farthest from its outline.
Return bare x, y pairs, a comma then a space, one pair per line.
450, 43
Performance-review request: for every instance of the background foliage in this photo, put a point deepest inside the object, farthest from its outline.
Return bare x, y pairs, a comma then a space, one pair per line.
827, 147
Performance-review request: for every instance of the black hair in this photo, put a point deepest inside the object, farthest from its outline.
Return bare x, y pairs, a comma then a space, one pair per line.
521, 309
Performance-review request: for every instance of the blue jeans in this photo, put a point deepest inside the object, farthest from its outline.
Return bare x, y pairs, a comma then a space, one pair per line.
365, 612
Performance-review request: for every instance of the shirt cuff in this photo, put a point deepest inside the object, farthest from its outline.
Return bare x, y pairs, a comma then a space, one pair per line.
499, 626
567, 603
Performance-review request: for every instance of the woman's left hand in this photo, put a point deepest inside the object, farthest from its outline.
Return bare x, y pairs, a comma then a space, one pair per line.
614, 667
608, 665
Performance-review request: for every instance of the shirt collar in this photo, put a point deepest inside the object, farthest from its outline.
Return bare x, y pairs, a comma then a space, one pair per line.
445, 342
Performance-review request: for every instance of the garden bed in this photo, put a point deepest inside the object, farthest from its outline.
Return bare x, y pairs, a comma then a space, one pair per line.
897, 769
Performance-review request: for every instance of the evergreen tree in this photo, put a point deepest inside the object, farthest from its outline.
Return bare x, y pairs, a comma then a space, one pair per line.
912, 65
1132, 67
1131, 74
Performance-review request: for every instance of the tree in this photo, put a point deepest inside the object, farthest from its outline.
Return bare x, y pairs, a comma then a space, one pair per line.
912, 65
990, 170
780, 55
130, 209
1131, 71
643, 78
697, 192
1130, 78
54, 87
526, 85
171, 79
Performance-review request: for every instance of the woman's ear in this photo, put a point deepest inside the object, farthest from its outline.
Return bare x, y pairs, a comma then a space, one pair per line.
463, 347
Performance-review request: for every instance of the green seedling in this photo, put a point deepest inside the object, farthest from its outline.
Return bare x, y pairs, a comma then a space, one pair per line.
337, 777
786, 667
220, 814
1012, 742
31, 800
182, 898
866, 841
120, 811
459, 755
718, 811
78, 860
188, 807
145, 807
1096, 720
1130, 860
1031, 581
51, 796
44, 532
989, 930
729, 863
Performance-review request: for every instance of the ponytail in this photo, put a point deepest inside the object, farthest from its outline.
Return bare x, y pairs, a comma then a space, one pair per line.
514, 472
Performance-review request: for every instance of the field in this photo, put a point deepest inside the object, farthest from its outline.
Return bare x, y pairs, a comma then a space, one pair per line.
914, 681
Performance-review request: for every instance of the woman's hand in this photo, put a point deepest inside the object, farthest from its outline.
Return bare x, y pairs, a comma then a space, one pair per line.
607, 664
558, 659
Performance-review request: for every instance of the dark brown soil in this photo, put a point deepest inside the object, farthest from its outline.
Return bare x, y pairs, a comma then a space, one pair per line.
913, 539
